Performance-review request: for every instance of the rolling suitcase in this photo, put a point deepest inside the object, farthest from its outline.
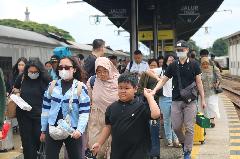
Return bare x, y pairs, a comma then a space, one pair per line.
154, 130
199, 134
7, 143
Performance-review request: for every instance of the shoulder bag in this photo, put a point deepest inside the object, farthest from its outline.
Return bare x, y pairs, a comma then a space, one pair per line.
189, 93
64, 129
11, 105
217, 89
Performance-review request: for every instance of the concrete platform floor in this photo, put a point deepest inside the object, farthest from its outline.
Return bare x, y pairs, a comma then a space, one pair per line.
217, 144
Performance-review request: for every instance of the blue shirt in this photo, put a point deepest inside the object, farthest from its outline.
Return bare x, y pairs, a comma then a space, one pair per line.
52, 103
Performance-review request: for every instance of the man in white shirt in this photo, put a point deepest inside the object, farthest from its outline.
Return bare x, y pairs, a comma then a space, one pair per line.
138, 65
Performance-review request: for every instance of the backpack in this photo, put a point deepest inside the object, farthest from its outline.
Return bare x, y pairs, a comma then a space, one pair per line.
53, 84
130, 65
92, 81
62, 52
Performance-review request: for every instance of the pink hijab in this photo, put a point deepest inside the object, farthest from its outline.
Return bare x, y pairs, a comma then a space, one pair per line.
104, 93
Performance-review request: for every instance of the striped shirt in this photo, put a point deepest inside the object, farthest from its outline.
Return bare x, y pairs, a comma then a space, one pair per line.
52, 103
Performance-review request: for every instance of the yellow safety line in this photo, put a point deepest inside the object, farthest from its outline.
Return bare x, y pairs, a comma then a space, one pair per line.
234, 147
235, 134
234, 140
234, 128
231, 112
235, 157
195, 151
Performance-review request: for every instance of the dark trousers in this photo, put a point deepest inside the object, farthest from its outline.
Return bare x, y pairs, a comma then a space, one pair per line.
30, 130
53, 147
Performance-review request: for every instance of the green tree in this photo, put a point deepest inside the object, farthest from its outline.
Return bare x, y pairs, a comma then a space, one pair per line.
193, 46
36, 27
220, 47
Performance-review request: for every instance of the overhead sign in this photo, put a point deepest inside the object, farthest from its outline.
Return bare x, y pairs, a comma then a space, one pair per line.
189, 13
145, 35
166, 48
162, 35
118, 15
165, 35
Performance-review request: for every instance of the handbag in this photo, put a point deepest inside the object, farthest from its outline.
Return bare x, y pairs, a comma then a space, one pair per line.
41, 153
189, 93
217, 89
202, 121
11, 108
63, 128
11, 105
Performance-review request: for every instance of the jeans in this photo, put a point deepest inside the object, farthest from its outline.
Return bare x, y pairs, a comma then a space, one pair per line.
165, 106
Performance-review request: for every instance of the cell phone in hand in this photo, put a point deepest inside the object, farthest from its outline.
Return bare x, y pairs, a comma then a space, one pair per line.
89, 154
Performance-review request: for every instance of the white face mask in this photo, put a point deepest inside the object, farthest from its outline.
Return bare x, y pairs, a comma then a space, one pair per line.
66, 74
181, 54
33, 75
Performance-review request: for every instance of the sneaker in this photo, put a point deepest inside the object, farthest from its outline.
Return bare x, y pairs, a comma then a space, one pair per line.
170, 143
176, 144
187, 155
182, 148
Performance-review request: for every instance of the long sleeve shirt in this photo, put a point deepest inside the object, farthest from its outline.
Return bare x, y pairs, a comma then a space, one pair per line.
52, 103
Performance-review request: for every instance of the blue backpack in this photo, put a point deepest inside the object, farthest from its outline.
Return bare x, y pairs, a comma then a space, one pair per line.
92, 81
62, 52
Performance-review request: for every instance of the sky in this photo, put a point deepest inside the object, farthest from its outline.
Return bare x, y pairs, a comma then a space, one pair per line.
76, 19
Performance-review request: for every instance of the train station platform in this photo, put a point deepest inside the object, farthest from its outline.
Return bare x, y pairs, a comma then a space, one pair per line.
222, 142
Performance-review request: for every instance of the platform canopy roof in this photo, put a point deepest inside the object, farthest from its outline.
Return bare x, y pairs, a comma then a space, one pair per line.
185, 16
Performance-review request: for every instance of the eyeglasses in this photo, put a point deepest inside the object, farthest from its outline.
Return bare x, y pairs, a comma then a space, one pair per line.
64, 67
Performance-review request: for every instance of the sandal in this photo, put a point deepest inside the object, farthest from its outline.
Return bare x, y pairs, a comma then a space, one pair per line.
212, 124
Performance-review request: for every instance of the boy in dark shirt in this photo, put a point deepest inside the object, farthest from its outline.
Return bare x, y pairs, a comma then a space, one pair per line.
127, 120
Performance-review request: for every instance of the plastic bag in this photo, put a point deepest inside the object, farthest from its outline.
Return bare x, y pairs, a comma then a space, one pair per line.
41, 153
5, 129
20, 102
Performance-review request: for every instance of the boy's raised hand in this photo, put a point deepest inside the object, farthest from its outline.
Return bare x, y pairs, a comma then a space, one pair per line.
95, 148
148, 93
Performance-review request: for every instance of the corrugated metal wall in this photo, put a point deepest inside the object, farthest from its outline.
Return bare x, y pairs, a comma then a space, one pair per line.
17, 51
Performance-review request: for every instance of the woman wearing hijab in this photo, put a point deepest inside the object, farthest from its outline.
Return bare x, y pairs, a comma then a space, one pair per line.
104, 91
210, 81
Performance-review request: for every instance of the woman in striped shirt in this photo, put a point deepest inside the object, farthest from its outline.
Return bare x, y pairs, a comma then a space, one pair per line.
62, 99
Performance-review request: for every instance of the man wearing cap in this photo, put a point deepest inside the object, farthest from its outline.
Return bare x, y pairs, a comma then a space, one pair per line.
138, 65
183, 113
54, 61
